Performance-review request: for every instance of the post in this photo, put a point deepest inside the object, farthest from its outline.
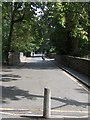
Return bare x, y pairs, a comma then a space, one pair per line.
47, 103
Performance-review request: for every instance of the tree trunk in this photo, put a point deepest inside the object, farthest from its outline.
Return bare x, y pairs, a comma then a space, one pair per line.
10, 36
69, 29
68, 43
76, 46
14, 9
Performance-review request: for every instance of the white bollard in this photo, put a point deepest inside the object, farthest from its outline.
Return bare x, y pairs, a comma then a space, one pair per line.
47, 103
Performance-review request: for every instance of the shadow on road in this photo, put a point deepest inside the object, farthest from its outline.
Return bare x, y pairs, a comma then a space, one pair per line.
71, 102
81, 91
41, 118
6, 70
32, 64
14, 93
40, 64
9, 77
53, 118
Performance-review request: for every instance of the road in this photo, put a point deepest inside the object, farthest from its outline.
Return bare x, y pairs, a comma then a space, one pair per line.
23, 90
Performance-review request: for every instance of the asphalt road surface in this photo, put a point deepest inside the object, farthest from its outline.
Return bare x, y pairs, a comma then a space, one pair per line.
23, 90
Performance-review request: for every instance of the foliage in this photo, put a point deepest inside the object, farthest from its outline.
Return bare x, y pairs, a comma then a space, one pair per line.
51, 26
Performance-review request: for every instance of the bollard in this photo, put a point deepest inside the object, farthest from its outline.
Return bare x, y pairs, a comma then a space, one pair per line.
47, 103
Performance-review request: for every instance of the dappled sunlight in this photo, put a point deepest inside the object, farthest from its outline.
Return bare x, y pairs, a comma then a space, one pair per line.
14, 93
38, 63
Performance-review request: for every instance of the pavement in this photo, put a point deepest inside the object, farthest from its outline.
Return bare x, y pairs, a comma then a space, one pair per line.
79, 76
84, 79
41, 118
23, 91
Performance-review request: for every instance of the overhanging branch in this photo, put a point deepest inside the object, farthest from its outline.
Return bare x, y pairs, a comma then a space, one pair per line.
20, 18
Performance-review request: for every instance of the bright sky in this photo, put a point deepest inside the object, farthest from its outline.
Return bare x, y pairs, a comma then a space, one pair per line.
39, 12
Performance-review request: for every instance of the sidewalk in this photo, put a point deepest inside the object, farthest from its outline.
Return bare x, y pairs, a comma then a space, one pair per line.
24, 90
79, 76
45, 119
41, 118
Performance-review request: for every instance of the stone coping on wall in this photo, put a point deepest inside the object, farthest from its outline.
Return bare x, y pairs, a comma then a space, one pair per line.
77, 63
81, 58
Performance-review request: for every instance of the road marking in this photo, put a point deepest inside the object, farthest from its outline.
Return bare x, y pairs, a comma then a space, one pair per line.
55, 110
68, 111
6, 113
12, 109
64, 116
53, 116
75, 80
15, 114
29, 113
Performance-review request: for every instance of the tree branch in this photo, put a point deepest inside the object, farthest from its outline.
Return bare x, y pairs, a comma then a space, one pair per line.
20, 18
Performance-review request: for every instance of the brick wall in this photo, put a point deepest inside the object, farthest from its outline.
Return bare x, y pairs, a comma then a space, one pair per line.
79, 64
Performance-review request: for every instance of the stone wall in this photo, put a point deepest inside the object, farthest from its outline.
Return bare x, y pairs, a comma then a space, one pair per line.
79, 64
14, 58
51, 55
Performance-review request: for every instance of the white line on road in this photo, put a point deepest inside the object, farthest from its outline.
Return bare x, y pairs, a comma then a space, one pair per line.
55, 110
53, 116
6, 113
68, 111
75, 80
64, 116
12, 109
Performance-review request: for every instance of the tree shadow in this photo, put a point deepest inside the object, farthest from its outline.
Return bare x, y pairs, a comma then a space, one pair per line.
34, 117
6, 70
14, 93
52, 118
80, 90
39, 65
71, 102
42, 118
9, 77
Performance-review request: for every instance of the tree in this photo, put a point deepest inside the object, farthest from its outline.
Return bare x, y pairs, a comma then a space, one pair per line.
13, 13
62, 27
69, 33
